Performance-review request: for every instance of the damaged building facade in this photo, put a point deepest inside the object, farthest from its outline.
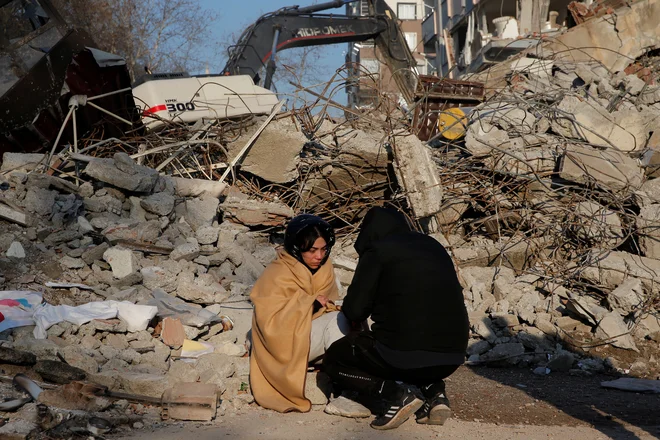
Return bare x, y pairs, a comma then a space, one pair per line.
470, 35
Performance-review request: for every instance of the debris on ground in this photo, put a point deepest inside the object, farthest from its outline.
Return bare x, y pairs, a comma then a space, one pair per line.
126, 263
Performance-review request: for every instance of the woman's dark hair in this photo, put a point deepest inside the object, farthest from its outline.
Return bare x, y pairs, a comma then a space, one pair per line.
302, 232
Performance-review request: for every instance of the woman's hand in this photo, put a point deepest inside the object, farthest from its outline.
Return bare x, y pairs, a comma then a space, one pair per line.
323, 300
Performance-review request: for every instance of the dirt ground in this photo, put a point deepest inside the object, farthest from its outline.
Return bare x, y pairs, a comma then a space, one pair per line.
488, 403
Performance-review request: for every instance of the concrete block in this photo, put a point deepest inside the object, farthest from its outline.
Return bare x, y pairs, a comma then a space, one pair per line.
607, 168
121, 260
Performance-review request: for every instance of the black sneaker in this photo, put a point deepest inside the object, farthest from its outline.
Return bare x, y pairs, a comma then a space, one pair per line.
434, 411
398, 411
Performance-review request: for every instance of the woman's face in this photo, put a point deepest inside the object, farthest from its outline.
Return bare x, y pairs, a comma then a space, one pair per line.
315, 255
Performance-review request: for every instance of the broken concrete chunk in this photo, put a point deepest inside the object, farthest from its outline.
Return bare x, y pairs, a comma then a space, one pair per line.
628, 296
16, 357
507, 353
201, 212
590, 121
418, 175
483, 138
613, 329
648, 228
187, 251
207, 234
609, 269
58, 372
39, 201
159, 203
274, 155
606, 168
15, 250
121, 260
123, 172
596, 224
255, 212
147, 232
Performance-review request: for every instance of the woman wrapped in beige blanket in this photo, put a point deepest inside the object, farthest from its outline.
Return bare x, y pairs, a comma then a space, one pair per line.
295, 319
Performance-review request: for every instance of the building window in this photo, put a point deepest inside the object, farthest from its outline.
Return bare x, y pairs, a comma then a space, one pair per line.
371, 65
406, 11
411, 39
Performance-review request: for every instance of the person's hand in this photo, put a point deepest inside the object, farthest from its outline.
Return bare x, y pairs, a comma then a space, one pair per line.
323, 300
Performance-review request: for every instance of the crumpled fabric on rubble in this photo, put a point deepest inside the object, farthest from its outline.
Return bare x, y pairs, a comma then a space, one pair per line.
17, 308
137, 317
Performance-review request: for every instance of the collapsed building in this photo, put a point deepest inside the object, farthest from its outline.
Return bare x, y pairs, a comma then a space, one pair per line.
546, 194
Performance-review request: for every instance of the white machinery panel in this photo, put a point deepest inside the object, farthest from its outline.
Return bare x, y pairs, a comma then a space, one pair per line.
194, 98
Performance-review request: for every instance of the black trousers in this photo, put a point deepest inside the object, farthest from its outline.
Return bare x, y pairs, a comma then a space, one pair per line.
354, 364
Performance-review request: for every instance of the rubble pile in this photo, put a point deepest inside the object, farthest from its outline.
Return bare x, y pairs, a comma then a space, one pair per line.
118, 232
135, 257
554, 188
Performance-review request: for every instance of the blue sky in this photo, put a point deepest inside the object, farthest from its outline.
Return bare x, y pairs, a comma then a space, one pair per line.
236, 15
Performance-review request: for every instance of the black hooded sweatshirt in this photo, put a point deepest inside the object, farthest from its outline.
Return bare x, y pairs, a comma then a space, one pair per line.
407, 283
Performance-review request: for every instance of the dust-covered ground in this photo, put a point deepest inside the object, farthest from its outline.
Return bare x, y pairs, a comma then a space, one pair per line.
488, 403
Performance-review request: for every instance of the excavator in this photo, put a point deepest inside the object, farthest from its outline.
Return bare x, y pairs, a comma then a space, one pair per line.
58, 70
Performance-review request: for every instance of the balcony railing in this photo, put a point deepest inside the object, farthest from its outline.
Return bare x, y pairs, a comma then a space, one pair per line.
429, 30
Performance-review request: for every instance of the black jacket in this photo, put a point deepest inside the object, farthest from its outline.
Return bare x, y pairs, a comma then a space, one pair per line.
407, 283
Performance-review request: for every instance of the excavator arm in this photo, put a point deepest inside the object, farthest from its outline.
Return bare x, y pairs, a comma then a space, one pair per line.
296, 26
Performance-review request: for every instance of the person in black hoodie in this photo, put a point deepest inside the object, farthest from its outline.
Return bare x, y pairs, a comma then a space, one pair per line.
406, 282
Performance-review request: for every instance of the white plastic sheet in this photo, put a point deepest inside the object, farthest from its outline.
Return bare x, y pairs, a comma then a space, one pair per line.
17, 308
137, 317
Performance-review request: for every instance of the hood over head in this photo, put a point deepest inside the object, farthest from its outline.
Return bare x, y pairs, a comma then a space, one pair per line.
298, 226
378, 224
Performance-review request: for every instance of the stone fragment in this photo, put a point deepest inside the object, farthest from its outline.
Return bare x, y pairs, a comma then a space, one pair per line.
39, 201
628, 296
41, 348
21, 162
609, 168
648, 228
207, 234
16, 250
274, 155
76, 357
94, 253
16, 357
477, 347
222, 364
159, 203
609, 269
591, 122
613, 329
230, 349
504, 320
251, 212
117, 341
58, 372
155, 277
84, 226
121, 260
123, 172
508, 353
201, 211
187, 251
417, 174
152, 385
481, 138
562, 361
594, 223
147, 232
